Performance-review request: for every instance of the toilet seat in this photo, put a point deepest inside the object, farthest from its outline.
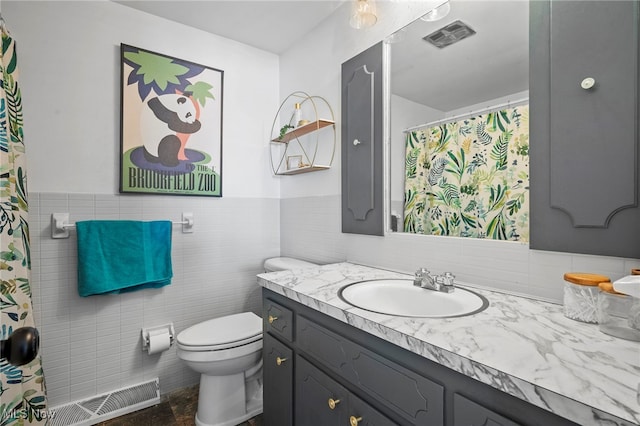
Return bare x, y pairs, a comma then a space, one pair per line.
222, 333
201, 355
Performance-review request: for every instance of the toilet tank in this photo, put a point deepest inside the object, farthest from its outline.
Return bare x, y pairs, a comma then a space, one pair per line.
284, 263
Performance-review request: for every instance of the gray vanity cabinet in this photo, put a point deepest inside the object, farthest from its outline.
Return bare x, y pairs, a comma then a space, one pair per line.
585, 151
323, 401
342, 375
278, 364
362, 144
278, 372
365, 414
468, 413
279, 321
416, 399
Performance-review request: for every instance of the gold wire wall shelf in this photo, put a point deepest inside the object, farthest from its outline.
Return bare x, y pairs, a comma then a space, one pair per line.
298, 144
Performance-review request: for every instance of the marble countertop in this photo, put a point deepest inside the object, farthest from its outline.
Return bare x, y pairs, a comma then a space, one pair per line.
521, 346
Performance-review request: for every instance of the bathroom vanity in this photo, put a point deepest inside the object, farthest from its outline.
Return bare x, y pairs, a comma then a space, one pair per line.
519, 362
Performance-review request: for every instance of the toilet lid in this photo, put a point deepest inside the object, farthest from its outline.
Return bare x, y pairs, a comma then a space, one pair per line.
231, 330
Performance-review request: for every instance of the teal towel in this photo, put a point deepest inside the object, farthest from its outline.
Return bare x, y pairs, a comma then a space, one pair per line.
116, 256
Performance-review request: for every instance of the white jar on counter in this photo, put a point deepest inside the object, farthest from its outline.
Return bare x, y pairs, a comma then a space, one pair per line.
618, 313
581, 296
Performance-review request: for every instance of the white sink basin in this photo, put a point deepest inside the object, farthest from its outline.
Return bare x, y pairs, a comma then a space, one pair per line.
400, 297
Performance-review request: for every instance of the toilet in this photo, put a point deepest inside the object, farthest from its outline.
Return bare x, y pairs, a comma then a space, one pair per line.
227, 352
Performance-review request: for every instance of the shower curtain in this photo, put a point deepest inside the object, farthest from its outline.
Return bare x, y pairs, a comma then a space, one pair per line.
22, 389
470, 178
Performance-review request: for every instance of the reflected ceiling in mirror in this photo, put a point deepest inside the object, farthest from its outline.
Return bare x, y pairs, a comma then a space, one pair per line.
484, 64
493, 62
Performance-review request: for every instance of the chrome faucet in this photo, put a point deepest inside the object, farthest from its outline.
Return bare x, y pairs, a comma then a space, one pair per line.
423, 278
443, 283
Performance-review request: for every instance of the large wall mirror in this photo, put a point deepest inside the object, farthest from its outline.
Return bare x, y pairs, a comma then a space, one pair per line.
459, 122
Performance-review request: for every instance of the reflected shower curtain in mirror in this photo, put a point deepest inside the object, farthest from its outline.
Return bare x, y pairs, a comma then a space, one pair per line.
22, 389
470, 178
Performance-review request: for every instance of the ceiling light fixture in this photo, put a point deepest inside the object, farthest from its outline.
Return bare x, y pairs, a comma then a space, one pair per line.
363, 14
437, 13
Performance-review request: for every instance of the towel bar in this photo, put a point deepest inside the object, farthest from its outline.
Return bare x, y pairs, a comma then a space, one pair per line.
60, 224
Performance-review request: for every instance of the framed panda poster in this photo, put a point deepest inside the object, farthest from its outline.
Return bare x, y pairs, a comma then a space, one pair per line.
171, 125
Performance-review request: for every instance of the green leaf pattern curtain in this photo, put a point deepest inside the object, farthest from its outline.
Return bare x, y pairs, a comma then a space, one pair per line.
470, 178
22, 389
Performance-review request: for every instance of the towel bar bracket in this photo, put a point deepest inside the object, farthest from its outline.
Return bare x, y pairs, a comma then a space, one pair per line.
58, 228
187, 223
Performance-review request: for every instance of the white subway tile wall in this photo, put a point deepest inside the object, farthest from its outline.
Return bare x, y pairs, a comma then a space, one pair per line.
93, 345
311, 229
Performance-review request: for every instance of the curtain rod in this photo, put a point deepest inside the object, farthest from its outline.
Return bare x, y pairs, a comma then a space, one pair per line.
492, 108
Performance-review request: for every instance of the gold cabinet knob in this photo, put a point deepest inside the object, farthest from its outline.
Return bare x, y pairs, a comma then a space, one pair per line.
272, 319
280, 361
353, 420
333, 402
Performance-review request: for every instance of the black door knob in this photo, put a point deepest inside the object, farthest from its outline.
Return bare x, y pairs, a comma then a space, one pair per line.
21, 347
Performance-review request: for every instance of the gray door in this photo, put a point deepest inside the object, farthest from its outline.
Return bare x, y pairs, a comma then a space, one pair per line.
362, 174
585, 182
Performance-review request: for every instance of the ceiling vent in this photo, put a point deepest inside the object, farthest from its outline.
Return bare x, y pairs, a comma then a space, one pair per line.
452, 33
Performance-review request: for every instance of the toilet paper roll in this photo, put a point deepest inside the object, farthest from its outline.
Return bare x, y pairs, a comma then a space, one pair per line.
159, 341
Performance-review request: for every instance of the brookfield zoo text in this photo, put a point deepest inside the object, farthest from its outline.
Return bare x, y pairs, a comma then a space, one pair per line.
201, 180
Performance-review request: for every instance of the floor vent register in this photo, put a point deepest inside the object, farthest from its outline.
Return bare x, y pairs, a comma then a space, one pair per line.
107, 406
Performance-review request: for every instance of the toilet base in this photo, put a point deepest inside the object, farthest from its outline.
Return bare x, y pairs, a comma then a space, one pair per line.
233, 422
223, 401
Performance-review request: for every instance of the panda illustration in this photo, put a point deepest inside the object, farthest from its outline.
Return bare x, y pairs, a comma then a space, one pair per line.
166, 125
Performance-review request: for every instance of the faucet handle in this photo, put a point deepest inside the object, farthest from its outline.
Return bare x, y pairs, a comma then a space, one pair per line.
422, 272
448, 278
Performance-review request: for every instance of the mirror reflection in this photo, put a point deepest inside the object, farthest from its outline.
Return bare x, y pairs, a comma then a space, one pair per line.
459, 122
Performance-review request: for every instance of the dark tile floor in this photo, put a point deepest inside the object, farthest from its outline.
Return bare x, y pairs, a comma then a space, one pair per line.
175, 409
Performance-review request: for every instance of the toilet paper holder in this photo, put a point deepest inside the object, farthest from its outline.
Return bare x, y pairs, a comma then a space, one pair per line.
152, 331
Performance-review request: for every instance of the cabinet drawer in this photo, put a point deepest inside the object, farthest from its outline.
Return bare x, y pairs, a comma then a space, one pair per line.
366, 415
322, 401
417, 399
278, 378
313, 392
469, 413
278, 320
